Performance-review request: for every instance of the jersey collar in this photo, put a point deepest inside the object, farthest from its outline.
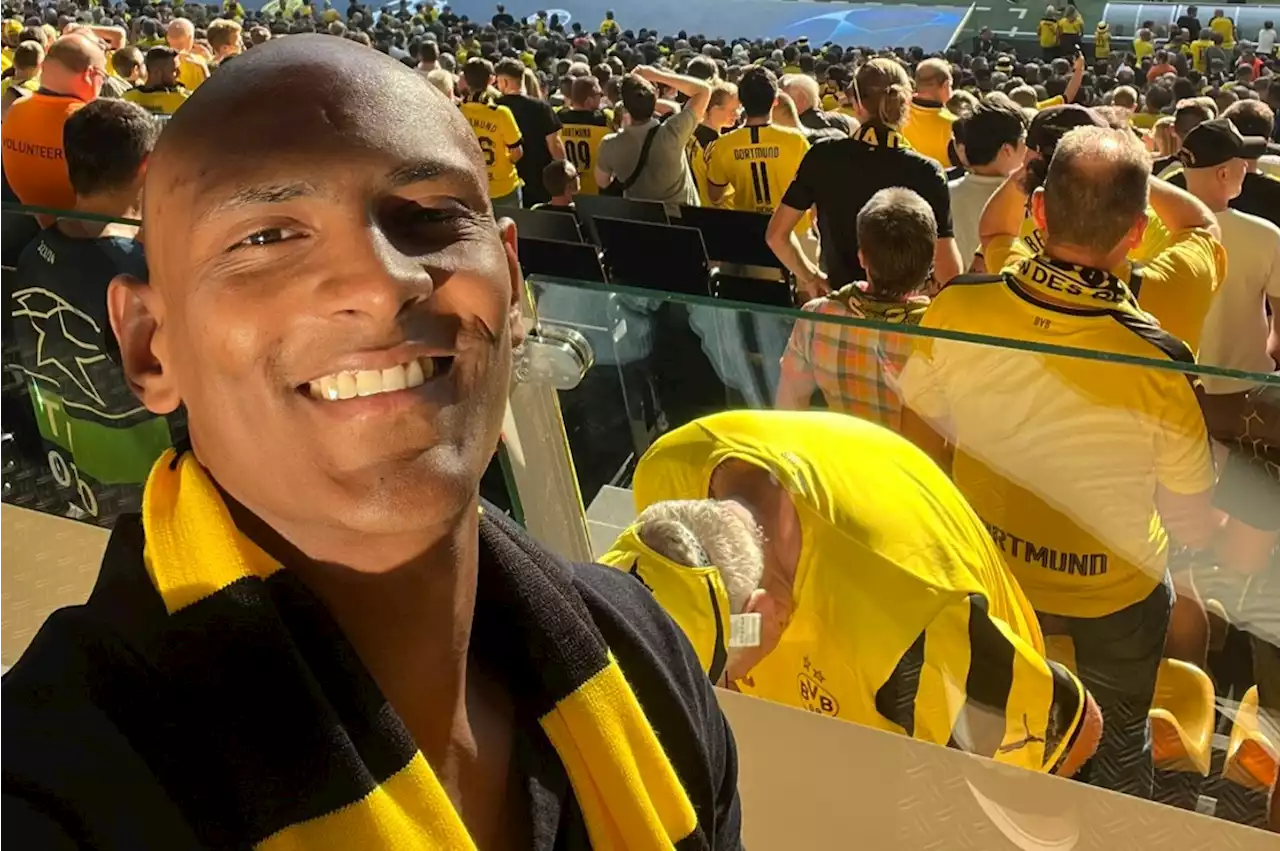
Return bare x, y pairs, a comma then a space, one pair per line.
1068, 287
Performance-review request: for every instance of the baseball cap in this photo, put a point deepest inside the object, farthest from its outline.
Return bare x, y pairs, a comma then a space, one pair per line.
1051, 124
1215, 142
694, 597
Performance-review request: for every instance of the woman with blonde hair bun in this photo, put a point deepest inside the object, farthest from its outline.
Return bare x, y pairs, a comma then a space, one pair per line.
838, 177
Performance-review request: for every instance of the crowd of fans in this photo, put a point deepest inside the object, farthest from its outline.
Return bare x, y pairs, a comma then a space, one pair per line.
1121, 199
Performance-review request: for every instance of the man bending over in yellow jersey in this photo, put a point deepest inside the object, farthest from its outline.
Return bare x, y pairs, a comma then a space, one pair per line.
902, 619
1082, 470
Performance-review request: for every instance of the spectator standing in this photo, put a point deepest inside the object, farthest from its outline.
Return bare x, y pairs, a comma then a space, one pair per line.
647, 157
1048, 34
539, 129
502, 19
192, 70
1082, 470
857, 368
1189, 21
1267, 39
1218, 160
723, 110
1224, 27
62, 278
839, 177
803, 91
428, 56
991, 143
749, 168
25, 80
928, 127
34, 161
583, 127
226, 37
1070, 32
497, 132
1102, 41
162, 94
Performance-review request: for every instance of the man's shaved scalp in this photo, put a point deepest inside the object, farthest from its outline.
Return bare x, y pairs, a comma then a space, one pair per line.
1096, 188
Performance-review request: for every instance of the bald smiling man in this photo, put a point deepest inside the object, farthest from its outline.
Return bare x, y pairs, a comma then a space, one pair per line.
330, 642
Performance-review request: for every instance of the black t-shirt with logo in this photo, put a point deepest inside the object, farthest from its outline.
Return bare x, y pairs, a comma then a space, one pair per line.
840, 176
537, 120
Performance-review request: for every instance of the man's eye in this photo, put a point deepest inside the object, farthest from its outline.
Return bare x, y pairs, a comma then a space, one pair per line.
267, 236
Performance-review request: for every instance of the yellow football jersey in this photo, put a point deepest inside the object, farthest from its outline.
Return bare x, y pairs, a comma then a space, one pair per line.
582, 132
758, 162
904, 620
192, 71
1198, 47
162, 101
496, 129
1061, 456
1224, 27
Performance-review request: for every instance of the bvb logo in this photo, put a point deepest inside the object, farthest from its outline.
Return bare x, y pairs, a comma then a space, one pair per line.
813, 695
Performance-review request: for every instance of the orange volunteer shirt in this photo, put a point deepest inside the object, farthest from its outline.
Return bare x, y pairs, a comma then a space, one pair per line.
33, 160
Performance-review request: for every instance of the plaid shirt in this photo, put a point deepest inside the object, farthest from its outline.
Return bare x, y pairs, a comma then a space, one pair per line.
856, 368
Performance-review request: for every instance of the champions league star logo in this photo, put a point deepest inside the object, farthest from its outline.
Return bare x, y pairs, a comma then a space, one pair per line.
67, 342
875, 26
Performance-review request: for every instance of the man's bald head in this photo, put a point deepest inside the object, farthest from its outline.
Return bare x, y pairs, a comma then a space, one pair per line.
802, 89
181, 34
329, 296
74, 65
1096, 189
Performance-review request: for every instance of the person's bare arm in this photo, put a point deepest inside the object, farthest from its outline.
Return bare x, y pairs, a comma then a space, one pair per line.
113, 38
555, 144
795, 384
515, 153
665, 107
716, 193
917, 429
603, 178
1179, 210
782, 240
1188, 517
1004, 211
1273, 344
1077, 78
697, 91
946, 263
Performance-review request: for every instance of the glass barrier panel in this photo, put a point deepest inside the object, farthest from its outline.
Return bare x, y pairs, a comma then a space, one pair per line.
1079, 523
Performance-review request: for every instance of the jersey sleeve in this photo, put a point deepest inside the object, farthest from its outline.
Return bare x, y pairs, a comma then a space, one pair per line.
510, 130
985, 690
802, 193
717, 167
1179, 282
1001, 252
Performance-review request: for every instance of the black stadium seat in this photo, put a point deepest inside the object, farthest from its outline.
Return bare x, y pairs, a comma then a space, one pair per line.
545, 224
654, 256
732, 236
590, 206
573, 261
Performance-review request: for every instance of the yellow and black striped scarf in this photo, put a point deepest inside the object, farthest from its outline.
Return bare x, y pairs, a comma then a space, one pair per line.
302, 750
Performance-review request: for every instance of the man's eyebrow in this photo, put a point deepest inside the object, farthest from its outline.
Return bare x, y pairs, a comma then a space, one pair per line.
418, 171
273, 193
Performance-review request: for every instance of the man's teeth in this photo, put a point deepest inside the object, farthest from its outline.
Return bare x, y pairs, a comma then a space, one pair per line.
367, 382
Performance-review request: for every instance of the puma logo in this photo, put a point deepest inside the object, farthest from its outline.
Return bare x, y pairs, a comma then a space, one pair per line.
1023, 742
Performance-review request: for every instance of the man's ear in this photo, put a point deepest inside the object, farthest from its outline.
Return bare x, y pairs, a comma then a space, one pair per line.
1037, 209
136, 316
507, 229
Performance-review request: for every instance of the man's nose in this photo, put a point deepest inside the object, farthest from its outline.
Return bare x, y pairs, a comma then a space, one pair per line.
382, 280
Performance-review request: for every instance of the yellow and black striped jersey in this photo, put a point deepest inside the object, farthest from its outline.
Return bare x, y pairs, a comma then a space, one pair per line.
759, 163
699, 146
496, 129
582, 131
